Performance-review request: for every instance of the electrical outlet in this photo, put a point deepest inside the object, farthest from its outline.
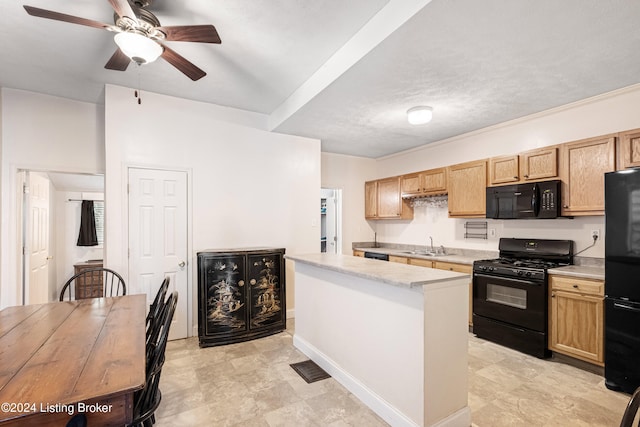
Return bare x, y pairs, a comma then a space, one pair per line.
492, 232
595, 234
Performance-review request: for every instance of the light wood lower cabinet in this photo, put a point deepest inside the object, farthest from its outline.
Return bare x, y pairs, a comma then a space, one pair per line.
460, 268
576, 318
358, 253
421, 262
399, 259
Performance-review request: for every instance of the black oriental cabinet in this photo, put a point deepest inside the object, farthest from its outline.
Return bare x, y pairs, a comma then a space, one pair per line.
241, 295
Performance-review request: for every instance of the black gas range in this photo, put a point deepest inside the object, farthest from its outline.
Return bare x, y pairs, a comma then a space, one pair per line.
510, 293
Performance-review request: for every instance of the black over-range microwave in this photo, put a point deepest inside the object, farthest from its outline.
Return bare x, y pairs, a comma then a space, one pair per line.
531, 200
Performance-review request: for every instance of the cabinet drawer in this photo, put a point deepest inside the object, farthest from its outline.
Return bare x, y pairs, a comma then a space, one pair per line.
572, 284
400, 259
459, 268
421, 262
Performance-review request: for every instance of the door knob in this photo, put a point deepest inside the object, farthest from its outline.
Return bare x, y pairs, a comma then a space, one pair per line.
182, 264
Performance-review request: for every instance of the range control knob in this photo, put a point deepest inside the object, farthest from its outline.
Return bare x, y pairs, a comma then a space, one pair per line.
528, 274
520, 272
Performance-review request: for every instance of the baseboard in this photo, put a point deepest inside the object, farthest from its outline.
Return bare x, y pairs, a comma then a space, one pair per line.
384, 409
460, 418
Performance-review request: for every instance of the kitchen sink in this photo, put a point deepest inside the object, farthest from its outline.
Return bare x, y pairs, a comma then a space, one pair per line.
424, 253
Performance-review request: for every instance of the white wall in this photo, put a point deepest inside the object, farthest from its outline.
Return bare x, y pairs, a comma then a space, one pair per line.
46, 133
67, 226
249, 187
349, 173
607, 113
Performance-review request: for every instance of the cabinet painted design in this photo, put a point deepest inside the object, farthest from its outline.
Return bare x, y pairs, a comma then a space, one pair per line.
241, 295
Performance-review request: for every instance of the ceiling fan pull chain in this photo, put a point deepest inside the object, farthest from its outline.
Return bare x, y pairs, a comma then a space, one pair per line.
138, 92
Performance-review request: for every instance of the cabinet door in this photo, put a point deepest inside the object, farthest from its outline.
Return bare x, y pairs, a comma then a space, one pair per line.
504, 169
576, 325
434, 181
389, 200
467, 184
358, 253
222, 283
421, 262
398, 259
584, 164
411, 184
371, 199
539, 164
266, 297
630, 149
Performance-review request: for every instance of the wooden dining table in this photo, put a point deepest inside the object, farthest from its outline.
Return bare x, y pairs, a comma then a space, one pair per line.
64, 358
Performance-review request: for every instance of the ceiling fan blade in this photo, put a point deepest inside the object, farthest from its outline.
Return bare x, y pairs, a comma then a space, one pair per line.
118, 61
57, 16
182, 64
123, 8
192, 33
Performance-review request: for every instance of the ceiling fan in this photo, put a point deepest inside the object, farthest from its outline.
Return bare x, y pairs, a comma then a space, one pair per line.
139, 35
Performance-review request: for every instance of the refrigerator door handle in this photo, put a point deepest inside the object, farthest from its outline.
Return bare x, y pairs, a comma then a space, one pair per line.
626, 307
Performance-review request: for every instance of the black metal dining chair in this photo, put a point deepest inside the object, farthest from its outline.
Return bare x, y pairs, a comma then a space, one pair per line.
158, 302
148, 399
93, 283
631, 411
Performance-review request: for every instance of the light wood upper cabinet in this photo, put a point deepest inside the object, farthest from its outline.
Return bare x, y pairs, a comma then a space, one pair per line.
629, 155
425, 183
467, 184
576, 318
383, 200
583, 165
539, 164
533, 165
504, 169
371, 199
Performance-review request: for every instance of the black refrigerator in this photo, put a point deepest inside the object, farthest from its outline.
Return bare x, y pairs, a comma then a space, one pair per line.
622, 280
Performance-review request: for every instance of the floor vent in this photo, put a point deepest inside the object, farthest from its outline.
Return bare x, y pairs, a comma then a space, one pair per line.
309, 371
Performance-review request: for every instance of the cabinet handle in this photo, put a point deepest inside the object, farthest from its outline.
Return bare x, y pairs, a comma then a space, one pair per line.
526, 176
565, 206
575, 286
553, 295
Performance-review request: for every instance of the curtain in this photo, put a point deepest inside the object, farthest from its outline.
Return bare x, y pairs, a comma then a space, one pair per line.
87, 235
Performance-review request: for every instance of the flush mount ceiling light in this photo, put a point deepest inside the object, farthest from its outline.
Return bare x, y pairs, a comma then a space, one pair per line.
419, 115
139, 48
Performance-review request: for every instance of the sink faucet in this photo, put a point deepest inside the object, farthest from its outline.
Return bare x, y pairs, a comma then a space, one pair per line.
431, 239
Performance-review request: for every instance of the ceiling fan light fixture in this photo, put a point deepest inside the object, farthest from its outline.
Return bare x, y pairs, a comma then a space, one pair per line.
419, 115
139, 48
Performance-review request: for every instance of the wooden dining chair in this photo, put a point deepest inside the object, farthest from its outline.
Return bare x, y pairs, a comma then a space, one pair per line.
148, 399
631, 410
93, 283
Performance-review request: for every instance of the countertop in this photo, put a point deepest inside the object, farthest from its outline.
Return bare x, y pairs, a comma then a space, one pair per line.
584, 272
403, 275
455, 258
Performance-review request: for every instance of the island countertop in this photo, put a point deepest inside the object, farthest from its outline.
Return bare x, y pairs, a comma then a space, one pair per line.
391, 273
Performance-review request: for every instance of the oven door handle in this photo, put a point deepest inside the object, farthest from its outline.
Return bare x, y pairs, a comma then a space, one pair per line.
509, 279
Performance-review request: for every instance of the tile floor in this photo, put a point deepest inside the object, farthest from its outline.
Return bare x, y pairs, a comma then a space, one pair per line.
251, 384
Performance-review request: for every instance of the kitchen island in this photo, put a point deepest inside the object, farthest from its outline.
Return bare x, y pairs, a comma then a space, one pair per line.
394, 335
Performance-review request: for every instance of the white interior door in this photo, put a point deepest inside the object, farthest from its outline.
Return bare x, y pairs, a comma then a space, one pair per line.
37, 238
158, 237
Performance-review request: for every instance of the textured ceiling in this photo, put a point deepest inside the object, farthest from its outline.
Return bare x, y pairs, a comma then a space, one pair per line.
476, 63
